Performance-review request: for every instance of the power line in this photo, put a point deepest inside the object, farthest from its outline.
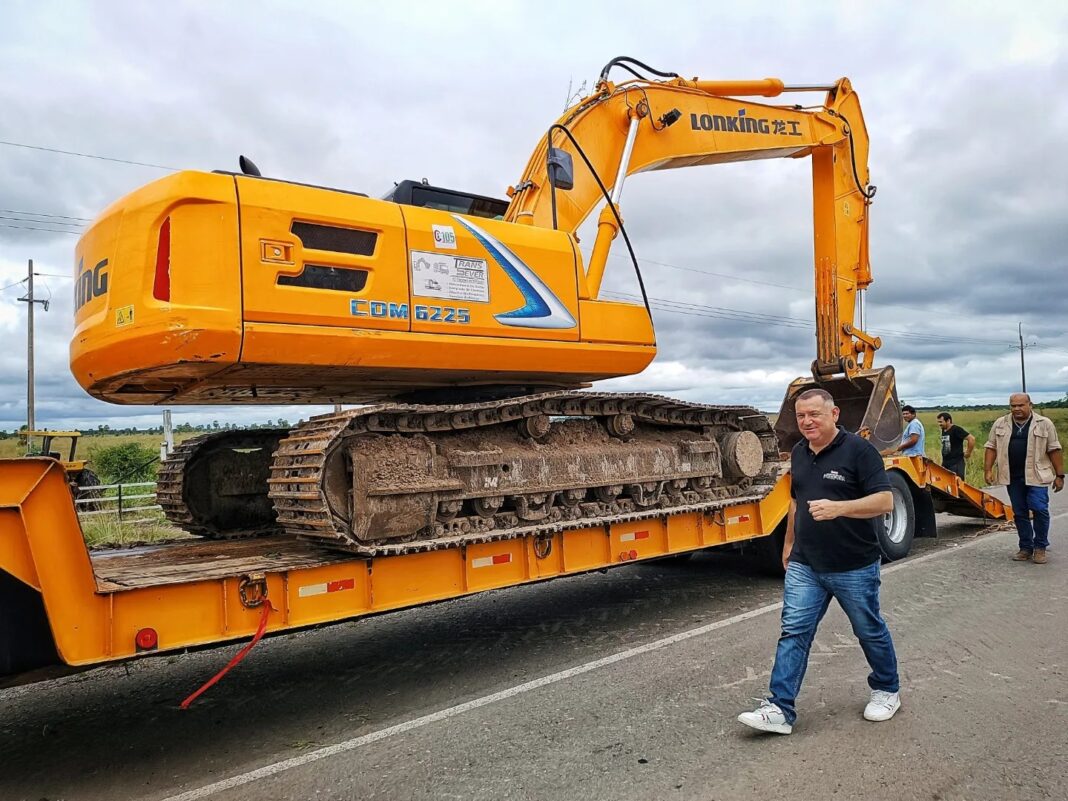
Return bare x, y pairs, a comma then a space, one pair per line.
710, 272
739, 315
41, 214
49, 230
89, 156
41, 222
16, 283
733, 277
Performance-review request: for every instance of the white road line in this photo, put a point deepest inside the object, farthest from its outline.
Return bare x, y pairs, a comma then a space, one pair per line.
348, 745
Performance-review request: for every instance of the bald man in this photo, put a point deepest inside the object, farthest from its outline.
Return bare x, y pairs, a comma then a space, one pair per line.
1028, 455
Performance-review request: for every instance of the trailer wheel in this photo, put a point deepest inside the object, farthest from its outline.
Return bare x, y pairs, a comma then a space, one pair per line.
899, 524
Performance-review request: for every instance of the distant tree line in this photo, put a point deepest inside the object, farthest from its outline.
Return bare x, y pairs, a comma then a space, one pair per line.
980, 407
181, 428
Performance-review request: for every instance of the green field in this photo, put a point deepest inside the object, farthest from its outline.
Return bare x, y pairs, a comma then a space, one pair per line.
106, 530
88, 443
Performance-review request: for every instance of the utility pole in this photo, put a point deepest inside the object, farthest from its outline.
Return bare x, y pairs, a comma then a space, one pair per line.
1023, 370
29, 300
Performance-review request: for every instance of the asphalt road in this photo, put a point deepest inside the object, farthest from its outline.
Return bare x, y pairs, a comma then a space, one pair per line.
622, 685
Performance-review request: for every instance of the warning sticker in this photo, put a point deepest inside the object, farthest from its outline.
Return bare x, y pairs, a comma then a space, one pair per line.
436, 275
124, 316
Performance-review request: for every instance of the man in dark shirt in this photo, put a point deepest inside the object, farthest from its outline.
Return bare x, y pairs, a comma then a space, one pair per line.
839, 492
957, 444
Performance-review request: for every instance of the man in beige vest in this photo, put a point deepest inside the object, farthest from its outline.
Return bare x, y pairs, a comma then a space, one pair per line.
1029, 458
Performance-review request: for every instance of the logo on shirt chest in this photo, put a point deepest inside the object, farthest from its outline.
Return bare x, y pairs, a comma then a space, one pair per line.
833, 475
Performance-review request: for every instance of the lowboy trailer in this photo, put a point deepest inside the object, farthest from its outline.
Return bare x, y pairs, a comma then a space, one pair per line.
65, 608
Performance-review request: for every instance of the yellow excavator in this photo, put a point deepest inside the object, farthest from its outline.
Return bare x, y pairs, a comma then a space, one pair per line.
469, 328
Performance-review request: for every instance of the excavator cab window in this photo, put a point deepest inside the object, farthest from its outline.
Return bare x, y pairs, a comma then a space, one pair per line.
415, 193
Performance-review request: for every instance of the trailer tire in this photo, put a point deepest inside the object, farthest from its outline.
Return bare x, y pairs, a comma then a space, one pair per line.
899, 525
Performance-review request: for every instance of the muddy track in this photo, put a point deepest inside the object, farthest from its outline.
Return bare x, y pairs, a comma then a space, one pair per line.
214, 485
398, 478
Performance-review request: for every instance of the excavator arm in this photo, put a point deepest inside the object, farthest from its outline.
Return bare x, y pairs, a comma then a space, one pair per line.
643, 124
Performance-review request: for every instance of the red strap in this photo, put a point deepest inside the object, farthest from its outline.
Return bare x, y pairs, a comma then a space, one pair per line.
233, 662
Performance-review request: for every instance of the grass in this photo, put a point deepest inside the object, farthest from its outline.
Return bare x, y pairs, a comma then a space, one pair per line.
977, 422
87, 443
106, 530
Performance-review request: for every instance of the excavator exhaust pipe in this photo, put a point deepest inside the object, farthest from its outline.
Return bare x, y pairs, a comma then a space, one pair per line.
867, 404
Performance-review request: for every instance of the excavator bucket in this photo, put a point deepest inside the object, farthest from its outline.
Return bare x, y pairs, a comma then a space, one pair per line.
867, 404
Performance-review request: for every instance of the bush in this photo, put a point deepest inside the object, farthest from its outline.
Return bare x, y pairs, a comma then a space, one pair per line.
125, 464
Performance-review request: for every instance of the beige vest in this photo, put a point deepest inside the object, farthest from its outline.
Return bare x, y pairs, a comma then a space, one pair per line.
1041, 439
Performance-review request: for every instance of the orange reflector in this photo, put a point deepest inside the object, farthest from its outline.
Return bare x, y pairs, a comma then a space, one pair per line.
161, 286
146, 640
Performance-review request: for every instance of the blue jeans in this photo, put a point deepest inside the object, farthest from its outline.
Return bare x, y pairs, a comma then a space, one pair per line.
805, 600
1034, 500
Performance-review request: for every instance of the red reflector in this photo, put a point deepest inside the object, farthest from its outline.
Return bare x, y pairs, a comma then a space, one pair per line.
161, 286
341, 584
146, 640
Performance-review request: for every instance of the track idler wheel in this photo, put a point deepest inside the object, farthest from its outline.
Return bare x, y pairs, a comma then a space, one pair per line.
743, 455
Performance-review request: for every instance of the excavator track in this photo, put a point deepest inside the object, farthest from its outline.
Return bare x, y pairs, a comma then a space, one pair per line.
401, 478
214, 485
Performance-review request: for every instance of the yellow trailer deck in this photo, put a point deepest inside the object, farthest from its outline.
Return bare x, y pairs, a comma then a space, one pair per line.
64, 607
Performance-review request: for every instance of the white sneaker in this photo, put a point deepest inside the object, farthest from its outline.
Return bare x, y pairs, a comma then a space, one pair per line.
882, 706
766, 717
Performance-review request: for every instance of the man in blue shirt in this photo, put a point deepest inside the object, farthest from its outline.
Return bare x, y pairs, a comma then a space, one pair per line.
912, 440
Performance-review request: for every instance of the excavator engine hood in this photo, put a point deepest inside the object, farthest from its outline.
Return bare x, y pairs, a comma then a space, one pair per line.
867, 404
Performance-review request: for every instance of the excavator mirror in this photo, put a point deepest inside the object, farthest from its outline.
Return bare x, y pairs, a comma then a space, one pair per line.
248, 167
561, 169
867, 405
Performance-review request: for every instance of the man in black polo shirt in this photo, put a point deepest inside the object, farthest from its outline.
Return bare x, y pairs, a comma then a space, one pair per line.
840, 493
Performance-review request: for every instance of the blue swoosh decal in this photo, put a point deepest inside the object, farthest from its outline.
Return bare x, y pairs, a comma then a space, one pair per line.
541, 308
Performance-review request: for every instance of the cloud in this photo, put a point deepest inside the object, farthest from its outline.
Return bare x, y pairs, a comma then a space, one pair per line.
964, 110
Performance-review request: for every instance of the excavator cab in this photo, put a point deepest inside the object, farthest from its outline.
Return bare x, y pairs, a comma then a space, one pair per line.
867, 404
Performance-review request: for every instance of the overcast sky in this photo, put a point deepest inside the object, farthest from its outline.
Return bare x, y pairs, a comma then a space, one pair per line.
965, 106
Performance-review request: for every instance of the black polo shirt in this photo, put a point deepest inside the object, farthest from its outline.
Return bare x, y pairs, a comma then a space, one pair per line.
847, 469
